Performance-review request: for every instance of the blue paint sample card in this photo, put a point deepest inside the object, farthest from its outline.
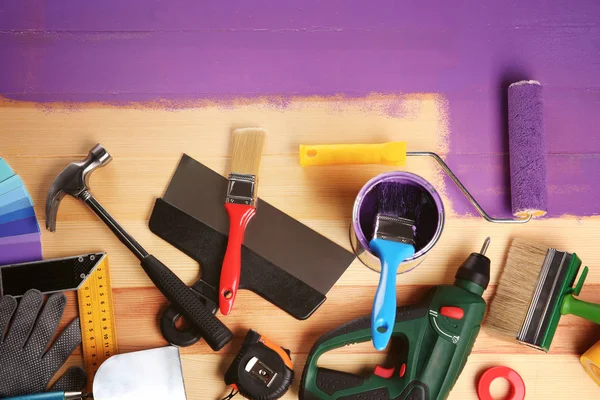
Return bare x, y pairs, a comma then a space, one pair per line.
14, 195
19, 249
20, 238
17, 205
19, 227
5, 170
10, 184
17, 215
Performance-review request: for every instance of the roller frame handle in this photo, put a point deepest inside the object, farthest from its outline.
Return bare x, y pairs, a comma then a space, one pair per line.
391, 153
583, 309
239, 217
208, 325
383, 315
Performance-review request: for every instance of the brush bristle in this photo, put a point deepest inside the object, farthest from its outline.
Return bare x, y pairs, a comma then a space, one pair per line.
516, 288
400, 200
247, 150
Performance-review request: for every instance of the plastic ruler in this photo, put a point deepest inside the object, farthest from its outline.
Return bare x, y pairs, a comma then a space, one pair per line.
96, 314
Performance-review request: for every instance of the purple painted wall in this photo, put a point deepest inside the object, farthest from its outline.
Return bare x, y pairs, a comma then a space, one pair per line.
118, 50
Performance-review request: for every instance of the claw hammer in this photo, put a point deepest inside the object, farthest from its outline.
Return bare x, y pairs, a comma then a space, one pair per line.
74, 181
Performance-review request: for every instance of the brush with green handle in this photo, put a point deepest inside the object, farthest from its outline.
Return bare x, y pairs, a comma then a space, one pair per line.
580, 308
583, 309
536, 288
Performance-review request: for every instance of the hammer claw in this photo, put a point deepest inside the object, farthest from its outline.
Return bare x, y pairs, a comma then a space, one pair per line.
52, 203
73, 180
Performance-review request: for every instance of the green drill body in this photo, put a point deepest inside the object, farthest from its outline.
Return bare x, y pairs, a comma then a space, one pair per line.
437, 337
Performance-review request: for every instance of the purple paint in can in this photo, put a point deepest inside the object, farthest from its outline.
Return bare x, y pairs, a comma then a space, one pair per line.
364, 211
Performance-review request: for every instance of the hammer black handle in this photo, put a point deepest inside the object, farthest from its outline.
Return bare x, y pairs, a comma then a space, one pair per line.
208, 325
114, 226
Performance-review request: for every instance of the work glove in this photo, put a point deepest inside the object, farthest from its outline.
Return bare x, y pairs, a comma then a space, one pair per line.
27, 361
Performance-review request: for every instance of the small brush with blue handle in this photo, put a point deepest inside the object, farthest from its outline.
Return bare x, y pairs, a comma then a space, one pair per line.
399, 208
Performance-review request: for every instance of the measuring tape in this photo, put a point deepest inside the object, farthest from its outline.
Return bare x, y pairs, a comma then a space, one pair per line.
261, 369
96, 314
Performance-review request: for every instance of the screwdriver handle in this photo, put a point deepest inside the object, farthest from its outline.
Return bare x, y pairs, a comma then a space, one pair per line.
49, 396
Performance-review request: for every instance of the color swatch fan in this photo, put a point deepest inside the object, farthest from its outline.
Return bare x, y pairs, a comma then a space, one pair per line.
20, 239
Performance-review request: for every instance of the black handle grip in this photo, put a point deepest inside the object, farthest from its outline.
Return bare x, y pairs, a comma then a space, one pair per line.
188, 336
209, 326
331, 381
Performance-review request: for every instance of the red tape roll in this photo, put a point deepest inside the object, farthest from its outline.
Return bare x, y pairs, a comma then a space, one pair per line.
517, 385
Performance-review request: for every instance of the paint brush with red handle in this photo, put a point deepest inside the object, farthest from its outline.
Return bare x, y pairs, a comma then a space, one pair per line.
241, 207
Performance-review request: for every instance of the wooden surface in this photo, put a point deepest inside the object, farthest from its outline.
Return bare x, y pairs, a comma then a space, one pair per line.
146, 144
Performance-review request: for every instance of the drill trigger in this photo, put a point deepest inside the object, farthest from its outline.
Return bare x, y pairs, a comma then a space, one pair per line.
383, 372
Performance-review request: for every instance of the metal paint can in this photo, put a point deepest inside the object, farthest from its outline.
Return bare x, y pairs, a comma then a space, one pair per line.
365, 209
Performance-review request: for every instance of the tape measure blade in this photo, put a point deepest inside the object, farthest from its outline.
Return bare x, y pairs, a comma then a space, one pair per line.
96, 312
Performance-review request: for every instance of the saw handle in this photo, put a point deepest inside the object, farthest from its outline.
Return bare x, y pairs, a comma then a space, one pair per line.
208, 325
239, 217
392, 153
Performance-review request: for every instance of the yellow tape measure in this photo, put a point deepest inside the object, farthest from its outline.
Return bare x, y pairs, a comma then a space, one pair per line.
96, 314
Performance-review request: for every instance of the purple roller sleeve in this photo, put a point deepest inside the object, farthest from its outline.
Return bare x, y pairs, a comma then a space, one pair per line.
527, 146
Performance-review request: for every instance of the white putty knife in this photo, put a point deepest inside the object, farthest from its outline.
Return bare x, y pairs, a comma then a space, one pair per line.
149, 374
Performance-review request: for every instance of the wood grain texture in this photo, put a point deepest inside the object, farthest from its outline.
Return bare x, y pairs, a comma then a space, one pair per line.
146, 144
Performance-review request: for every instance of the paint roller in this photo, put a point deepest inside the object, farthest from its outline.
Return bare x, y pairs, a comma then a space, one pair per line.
527, 147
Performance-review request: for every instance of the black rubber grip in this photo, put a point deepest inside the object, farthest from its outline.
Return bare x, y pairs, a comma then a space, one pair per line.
331, 381
374, 394
415, 391
208, 325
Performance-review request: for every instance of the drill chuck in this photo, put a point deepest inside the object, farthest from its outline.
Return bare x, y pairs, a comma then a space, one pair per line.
476, 268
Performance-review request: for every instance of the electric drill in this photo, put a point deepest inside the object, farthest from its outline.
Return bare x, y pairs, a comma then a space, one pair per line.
437, 335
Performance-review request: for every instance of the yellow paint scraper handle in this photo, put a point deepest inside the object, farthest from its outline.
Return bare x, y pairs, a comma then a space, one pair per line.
392, 153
